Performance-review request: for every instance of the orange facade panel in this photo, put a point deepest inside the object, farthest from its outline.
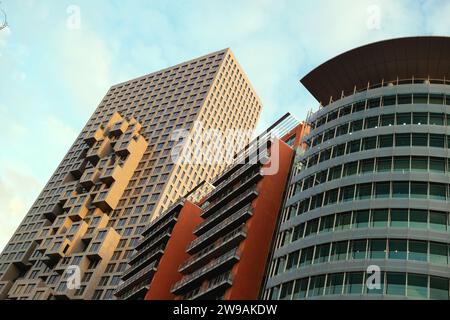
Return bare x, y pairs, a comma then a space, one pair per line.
175, 253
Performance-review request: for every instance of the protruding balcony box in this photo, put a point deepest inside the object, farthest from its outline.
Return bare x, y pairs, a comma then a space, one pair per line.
90, 177
78, 212
58, 248
103, 244
94, 136
22, 261
77, 168
88, 235
99, 150
68, 192
118, 128
52, 211
111, 174
43, 233
105, 200
75, 200
5, 287
124, 147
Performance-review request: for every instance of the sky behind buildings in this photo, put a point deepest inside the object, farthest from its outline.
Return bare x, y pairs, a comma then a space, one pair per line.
58, 59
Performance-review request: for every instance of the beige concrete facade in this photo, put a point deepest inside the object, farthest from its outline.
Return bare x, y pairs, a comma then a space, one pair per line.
119, 175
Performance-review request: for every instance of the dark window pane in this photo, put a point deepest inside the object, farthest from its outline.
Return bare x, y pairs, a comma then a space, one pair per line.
417, 286
354, 283
378, 249
404, 99
439, 288
386, 141
438, 191
382, 190
418, 219
335, 283
437, 140
418, 250
419, 189
353, 146
403, 118
367, 165
339, 251
437, 164
389, 100
350, 168
397, 249
371, 122
356, 125
402, 140
384, 164
326, 223
420, 118
380, 218
419, 163
317, 286
400, 189
438, 221
364, 191
374, 103
438, 253
420, 139
358, 249
396, 283
399, 218
361, 219
401, 163
359, 106
387, 119
436, 99
437, 119
420, 98
369, 143
343, 221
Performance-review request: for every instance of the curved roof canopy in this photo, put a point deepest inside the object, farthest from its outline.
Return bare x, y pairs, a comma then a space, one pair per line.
403, 58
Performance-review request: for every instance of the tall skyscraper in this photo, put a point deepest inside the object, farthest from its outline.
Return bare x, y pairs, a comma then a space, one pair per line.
119, 175
367, 214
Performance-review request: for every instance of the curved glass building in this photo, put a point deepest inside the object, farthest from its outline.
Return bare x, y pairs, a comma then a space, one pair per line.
368, 199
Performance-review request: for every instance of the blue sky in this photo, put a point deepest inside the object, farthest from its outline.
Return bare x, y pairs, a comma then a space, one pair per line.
52, 76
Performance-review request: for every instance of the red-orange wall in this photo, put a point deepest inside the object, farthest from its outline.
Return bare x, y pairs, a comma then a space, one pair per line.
175, 253
249, 272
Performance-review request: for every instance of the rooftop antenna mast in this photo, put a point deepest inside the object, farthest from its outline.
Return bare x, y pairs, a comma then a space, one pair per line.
4, 22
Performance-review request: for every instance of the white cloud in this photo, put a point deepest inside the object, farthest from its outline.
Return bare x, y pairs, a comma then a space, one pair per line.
18, 191
59, 133
83, 66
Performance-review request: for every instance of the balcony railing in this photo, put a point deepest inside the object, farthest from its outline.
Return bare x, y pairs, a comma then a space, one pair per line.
222, 280
232, 177
145, 248
155, 231
147, 272
233, 254
227, 223
139, 263
227, 239
220, 201
164, 215
216, 216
